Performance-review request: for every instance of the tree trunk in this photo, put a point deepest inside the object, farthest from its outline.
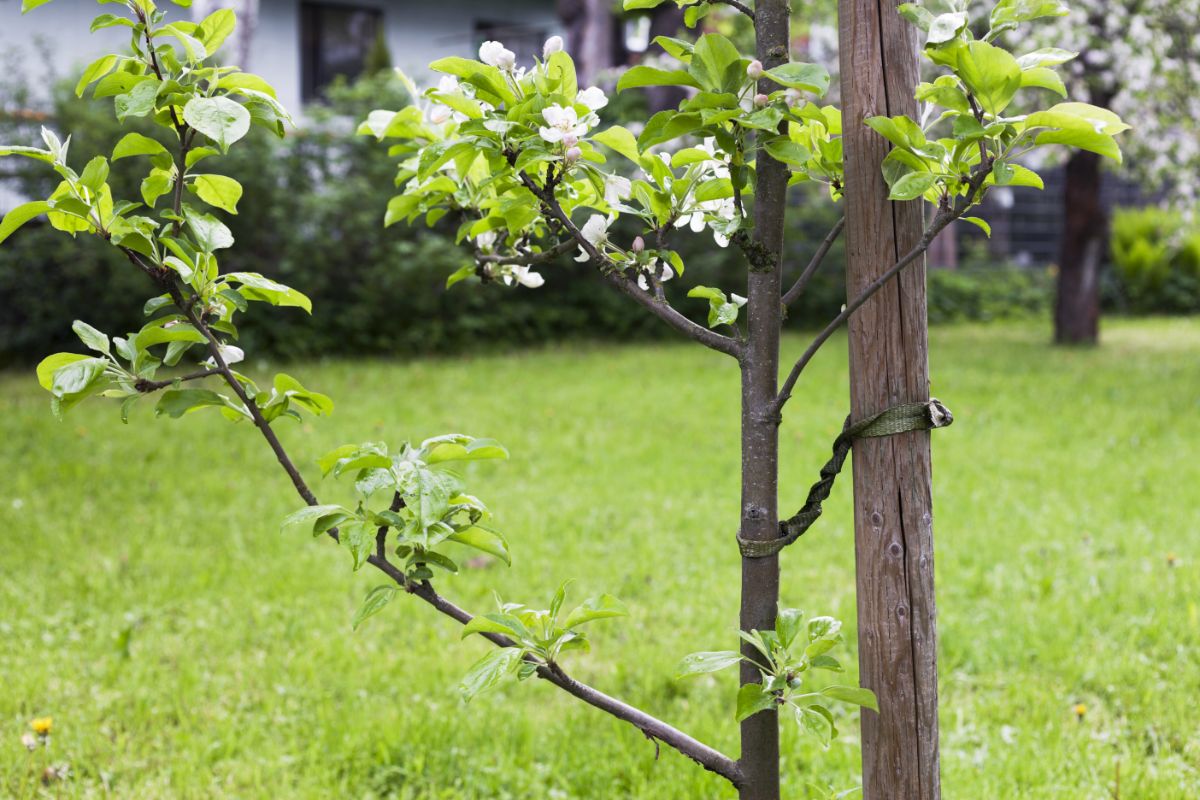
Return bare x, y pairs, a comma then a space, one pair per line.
760, 426
1085, 225
889, 365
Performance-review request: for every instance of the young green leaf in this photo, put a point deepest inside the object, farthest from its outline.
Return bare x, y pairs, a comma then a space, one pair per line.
751, 699
375, 601
594, 608
853, 694
702, 663
488, 671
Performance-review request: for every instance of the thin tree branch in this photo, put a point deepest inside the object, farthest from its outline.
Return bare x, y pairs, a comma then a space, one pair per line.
529, 259
624, 283
654, 728
146, 387
734, 4
944, 217
793, 294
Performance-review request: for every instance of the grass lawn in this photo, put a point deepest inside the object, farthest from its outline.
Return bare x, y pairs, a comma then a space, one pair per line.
187, 650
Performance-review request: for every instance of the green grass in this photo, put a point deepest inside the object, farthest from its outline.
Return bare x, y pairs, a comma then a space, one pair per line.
187, 650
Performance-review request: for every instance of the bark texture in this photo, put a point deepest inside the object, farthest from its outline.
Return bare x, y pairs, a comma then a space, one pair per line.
889, 365
1085, 227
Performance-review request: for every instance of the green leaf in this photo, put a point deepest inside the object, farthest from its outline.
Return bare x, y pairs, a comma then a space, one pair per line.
619, 140
20, 215
751, 699
92, 338
215, 28
375, 601
135, 144
489, 623
177, 402
633, 5
488, 671
594, 608
945, 27
256, 287
219, 118
139, 101
471, 450
912, 185
51, 364
353, 457
788, 624
95, 174
30, 5
485, 540
798, 75
1043, 78
28, 152
814, 722
315, 519
852, 694
94, 72
991, 73
218, 190
1079, 125
702, 663
716, 64
156, 184
210, 233
980, 223
641, 75
1046, 57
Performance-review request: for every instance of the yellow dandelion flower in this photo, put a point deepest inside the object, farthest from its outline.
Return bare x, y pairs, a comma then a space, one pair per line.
42, 725
1080, 710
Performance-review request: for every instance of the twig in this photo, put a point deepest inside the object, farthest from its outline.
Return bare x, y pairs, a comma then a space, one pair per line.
734, 4
793, 294
944, 217
146, 387
707, 757
528, 259
623, 282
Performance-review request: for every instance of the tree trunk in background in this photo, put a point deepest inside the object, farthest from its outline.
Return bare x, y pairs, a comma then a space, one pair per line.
589, 26
1085, 226
893, 520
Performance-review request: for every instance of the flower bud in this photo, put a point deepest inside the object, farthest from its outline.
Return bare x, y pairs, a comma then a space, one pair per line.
573, 154
569, 140
639, 244
761, 100
553, 45
754, 70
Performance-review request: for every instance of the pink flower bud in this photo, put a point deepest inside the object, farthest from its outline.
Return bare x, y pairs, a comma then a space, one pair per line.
570, 140
573, 154
761, 100
639, 244
754, 70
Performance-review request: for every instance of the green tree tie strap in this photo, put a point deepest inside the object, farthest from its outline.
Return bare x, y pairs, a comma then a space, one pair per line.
898, 419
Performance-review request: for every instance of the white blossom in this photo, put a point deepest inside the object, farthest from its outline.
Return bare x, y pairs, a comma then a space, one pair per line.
616, 189
593, 97
595, 233
229, 354
561, 122
665, 273
553, 45
496, 54
524, 276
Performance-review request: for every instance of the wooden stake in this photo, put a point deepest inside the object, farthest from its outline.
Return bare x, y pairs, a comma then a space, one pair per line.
889, 365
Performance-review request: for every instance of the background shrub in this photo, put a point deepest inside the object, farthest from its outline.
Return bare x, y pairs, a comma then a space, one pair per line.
1156, 256
312, 217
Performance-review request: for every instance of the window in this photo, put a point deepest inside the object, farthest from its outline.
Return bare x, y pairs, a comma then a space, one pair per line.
526, 42
334, 40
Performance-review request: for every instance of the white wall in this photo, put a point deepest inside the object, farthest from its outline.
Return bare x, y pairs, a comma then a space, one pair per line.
418, 31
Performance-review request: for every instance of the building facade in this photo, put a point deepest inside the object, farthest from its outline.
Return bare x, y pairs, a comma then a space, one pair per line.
298, 46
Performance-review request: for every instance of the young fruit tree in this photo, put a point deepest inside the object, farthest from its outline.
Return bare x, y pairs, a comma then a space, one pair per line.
513, 155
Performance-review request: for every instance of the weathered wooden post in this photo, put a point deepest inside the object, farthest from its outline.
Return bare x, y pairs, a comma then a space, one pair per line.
889, 365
